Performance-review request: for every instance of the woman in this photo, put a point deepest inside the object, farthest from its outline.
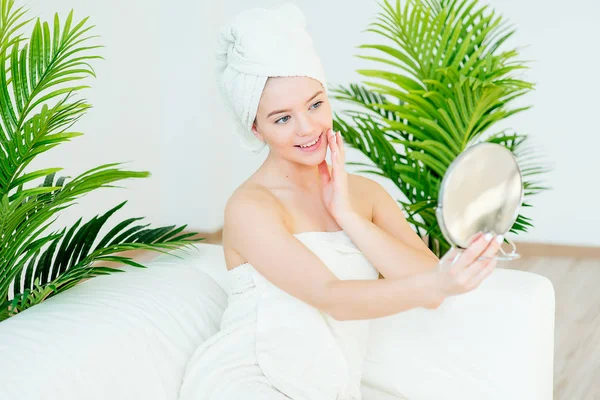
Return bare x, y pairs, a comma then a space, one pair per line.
304, 241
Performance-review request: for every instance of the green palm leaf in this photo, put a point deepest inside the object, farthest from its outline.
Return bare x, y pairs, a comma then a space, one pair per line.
446, 84
71, 256
40, 71
38, 84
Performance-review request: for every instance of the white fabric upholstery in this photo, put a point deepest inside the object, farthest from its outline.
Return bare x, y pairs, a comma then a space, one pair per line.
494, 343
122, 336
130, 335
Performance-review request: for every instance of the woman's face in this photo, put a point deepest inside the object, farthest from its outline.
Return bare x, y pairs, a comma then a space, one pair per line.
294, 111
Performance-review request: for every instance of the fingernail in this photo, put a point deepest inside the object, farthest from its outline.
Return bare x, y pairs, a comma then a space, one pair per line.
488, 236
500, 238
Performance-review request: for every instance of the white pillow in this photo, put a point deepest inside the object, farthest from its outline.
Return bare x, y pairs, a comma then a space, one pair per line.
122, 336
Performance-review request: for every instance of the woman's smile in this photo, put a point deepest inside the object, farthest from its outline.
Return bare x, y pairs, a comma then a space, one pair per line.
314, 147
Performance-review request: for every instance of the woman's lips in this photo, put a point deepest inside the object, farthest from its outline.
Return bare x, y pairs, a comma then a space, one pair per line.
314, 146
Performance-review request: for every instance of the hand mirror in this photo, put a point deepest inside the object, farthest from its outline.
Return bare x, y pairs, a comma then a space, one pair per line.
481, 191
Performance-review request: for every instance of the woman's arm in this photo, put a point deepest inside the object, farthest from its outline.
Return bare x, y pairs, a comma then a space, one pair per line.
361, 299
254, 227
388, 242
368, 299
395, 251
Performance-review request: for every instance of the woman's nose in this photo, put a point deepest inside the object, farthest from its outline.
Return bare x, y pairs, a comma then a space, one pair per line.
306, 127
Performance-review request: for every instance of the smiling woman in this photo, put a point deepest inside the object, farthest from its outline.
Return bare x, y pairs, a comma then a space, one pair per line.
302, 251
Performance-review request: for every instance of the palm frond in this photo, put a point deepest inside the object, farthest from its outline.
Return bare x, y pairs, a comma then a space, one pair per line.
40, 71
39, 79
447, 82
70, 256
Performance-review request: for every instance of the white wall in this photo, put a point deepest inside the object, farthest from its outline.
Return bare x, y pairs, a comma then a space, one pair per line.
155, 103
124, 124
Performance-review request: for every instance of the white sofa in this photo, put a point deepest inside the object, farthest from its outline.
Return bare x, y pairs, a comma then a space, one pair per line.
129, 335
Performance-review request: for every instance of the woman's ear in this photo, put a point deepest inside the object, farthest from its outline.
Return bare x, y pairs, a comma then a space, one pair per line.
256, 132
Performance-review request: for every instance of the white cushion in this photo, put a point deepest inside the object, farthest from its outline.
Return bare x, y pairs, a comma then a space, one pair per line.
496, 342
122, 336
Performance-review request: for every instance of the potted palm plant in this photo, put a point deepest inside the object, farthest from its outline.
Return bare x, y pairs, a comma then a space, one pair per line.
446, 84
39, 81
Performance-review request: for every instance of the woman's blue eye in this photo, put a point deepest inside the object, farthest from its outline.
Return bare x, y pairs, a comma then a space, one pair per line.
318, 102
287, 116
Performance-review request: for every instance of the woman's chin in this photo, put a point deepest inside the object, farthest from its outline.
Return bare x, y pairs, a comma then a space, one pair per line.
315, 160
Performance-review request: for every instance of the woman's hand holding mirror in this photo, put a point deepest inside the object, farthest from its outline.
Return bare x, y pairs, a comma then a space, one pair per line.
461, 271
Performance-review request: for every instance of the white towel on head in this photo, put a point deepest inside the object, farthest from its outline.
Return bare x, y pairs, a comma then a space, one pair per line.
256, 44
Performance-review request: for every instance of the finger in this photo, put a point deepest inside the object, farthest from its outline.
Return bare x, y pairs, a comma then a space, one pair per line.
333, 141
494, 247
476, 248
335, 152
448, 258
467, 276
330, 144
340, 145
487, 271
330, 136
486, 257
475, 237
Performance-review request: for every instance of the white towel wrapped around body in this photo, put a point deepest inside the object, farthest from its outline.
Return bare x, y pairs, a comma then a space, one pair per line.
256, 44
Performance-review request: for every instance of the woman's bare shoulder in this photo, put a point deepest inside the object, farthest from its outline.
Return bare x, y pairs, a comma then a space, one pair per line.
251, 193
251, 212
360, 182
248, 200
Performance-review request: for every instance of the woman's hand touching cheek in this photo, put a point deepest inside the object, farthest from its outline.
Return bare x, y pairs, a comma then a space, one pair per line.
335, 185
